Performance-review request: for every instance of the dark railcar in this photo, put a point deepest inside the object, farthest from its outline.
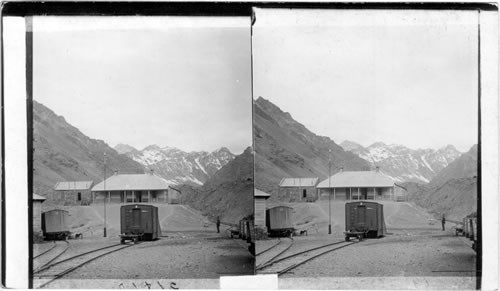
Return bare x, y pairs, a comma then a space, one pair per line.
139, 222
470, 229
55, 224
364, 219
246, 229
279, 220
250, 226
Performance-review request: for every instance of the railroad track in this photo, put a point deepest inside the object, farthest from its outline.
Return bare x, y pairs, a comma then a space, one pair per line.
269, 248
277, 250
285, 264
53, 271
45, 258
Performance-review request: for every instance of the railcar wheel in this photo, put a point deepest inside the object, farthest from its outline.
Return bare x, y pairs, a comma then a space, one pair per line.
360, 237
347, 238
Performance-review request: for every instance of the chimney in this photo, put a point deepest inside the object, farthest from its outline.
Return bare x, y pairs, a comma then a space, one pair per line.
377, 169
341, 169
115, 172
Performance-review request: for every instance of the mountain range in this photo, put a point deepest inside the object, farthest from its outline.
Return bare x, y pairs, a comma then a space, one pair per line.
402, 163
286, 148
63, 153
228, 193
177, 166
453, 191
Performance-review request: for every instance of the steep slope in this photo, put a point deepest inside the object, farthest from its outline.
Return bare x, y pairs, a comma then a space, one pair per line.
456, 198
181, 167
285, 148
64, 153
453, 191
228, 193
402, 163
463, 167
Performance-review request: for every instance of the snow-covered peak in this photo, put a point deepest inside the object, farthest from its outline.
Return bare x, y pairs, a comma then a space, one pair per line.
174, 164
405, 164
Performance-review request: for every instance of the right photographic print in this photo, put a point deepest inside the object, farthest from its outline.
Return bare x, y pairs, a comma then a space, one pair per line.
366, 133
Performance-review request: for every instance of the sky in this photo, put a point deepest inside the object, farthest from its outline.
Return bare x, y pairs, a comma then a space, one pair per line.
171, 81
400, 77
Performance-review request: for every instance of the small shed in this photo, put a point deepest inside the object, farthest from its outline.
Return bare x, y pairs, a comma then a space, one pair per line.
298, 189
260, 200
37, 212
74, 192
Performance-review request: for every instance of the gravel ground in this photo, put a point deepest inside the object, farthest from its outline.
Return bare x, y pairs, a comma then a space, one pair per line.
415, 254
436, 254
191, 255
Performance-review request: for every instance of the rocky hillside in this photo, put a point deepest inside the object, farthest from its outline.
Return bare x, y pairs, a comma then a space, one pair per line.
228, 193
286, 148
463, 167
64, 153
177, 166
456, 198
402, 163
453, 191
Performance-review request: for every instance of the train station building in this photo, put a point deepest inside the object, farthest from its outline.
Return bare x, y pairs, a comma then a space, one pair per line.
360, 185
298, 189
134, 188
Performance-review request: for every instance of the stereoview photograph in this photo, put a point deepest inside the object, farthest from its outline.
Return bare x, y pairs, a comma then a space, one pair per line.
143, 166
366, 141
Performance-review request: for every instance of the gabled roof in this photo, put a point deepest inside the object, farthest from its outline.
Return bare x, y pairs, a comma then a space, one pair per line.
357, 179
37, 197
133, 182
73, 185
258, 193
298, 182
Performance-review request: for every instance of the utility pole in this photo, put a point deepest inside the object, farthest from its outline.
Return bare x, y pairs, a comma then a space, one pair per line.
330, 190
104, 194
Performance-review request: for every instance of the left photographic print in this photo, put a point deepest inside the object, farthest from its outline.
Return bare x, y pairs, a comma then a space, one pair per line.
142, 159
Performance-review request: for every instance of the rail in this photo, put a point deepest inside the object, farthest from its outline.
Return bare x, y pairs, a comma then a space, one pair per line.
277, 255
301, 258
47, 252
269, 248
72, 263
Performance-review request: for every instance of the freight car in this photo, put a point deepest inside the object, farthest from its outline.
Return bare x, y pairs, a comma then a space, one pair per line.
364, 219
247, 232
279, 221
55, 224
139, 222
470, 229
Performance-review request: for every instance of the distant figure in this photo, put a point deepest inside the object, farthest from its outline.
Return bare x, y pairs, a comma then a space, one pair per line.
218, 224
443, 221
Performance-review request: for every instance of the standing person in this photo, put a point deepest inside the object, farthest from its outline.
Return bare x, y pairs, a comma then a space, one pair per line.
443, 221
218, 224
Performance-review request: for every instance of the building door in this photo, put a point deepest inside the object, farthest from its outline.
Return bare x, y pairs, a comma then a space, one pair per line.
138, 196
304, 193
79, 196
364, 193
